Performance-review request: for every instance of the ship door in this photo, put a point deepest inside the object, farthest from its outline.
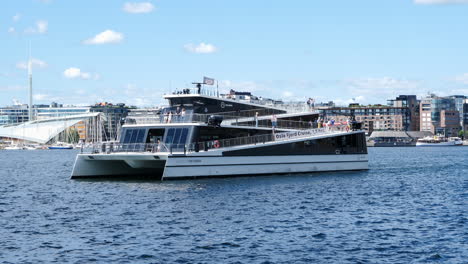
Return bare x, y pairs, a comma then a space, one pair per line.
154, 135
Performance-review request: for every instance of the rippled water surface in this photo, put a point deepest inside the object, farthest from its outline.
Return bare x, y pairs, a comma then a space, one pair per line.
410, 207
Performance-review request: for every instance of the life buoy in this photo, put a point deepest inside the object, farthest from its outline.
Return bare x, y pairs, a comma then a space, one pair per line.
216, 144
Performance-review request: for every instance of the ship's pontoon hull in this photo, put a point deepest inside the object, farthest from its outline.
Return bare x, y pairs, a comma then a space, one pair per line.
181, 167
206, 166
119, 166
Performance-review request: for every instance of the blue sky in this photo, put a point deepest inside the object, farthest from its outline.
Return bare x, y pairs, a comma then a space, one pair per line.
119, 51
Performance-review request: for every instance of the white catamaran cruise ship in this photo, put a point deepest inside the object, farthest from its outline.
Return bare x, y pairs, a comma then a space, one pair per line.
201, 134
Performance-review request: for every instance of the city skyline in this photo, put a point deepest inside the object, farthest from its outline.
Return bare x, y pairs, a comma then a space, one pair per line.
133, 52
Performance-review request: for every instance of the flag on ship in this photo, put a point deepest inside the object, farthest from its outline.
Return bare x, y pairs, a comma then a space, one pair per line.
208, 81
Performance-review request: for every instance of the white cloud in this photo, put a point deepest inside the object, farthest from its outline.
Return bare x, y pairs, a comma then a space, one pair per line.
40, 27
438, 2
105, 37
377, 90
138, 8
342, 92
130, 94
72, 73
76, 73
50, 96
200, 48
12, 88
11, 30
462, 78
346, 102
40, 97
80, 92
16, 17
250, 86
289, 90
36, 63
385, 85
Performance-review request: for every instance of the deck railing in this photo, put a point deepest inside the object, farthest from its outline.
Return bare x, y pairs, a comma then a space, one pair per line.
116, 147
242, 118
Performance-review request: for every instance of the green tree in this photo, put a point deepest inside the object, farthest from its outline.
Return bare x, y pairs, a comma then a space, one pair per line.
73, 136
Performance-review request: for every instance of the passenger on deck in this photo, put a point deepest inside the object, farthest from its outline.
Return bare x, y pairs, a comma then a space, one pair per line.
158, 146
274, 121
177, 115
169, 117
182, 115
256, 119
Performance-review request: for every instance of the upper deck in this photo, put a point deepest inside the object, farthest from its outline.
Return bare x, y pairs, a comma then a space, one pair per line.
197, 106
208, 101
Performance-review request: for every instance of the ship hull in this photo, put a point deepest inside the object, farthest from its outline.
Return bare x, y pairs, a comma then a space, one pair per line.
199, 167
167, 167
438, 144
59, 147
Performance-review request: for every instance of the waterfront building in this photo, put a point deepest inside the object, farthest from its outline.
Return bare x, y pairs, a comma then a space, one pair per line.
55, 110
376, 117
19, 113
465, 118
459, 101
14, 114
425, 115
58, 110
114, 118
410, 122
439, 115
94, 129
449, 123
46, 131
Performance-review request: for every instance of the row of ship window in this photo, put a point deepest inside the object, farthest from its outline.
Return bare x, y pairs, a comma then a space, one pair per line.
173, 136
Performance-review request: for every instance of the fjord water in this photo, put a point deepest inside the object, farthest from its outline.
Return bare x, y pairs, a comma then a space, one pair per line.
410, 207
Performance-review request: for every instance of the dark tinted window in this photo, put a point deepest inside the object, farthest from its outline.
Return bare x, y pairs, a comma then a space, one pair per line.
183, 137
134, 135
176, 136
128, 135
140, 136
349, 144
170, 135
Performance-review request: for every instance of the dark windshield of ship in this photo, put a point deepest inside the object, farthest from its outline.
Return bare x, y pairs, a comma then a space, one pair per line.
176, 136
136, 135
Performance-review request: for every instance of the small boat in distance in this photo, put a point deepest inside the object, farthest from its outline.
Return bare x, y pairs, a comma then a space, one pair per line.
61, 145
438, 141
13, 147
